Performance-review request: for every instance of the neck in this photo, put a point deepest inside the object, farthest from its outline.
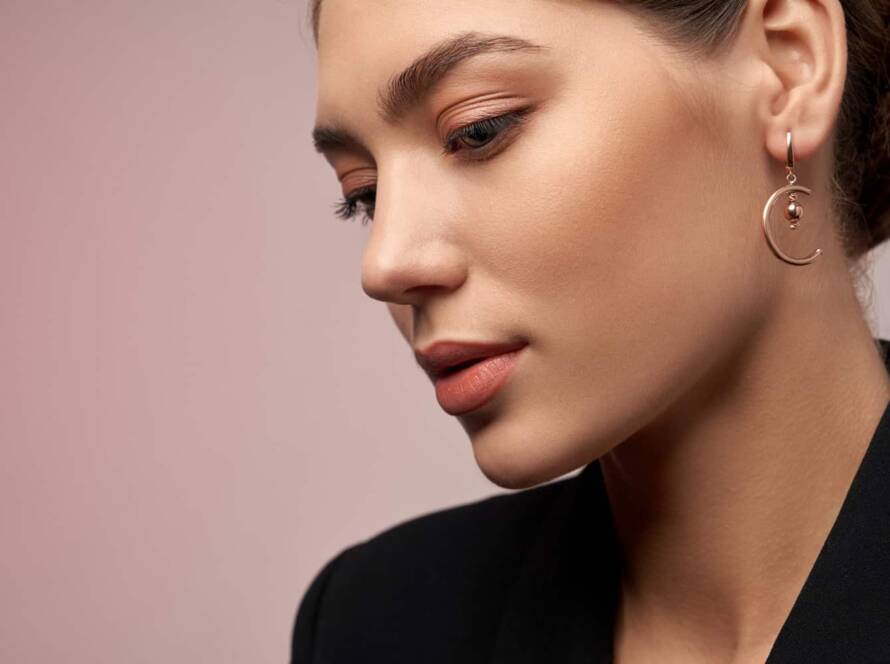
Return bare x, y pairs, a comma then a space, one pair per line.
723, 502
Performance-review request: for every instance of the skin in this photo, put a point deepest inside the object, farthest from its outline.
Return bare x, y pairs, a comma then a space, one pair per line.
730, 396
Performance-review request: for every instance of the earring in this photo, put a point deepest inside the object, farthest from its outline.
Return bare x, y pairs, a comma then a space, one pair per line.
793, 210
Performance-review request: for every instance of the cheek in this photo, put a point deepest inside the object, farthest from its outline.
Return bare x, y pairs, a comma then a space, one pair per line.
633, 255
629, 220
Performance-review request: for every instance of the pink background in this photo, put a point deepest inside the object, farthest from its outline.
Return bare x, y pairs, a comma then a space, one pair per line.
199, 405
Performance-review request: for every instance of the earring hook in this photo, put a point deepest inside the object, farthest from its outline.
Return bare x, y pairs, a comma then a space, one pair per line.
790, 158
790, 175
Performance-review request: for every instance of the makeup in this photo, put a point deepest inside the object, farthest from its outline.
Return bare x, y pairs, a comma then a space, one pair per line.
464, 389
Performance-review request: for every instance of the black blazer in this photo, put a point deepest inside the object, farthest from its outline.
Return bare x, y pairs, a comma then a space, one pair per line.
526, 577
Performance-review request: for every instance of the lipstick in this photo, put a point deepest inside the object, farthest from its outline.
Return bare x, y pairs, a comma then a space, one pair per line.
469, 387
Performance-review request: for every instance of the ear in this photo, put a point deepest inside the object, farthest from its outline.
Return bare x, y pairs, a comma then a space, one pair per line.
803, 44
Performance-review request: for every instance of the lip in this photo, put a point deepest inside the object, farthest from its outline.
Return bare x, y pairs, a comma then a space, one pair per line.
440, 356
465, 389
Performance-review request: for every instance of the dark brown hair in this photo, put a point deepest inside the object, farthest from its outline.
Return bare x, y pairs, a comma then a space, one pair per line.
860, 183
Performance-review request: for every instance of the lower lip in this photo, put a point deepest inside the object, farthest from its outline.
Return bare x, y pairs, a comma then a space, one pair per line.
471, 387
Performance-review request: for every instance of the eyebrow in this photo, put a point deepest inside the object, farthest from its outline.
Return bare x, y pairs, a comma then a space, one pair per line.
406, 90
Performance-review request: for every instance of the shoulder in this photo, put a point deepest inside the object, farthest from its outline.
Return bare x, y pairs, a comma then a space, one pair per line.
440, 578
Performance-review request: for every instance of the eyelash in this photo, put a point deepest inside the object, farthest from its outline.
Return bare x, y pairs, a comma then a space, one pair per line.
347, 207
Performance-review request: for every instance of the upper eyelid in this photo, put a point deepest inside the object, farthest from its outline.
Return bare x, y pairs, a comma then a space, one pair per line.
512, 118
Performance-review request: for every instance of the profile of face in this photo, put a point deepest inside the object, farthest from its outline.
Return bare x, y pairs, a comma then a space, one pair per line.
602, 205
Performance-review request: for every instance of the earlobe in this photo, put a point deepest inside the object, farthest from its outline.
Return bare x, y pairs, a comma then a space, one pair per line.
805, 50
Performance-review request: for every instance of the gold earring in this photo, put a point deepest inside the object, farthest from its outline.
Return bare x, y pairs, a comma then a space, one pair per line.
793, 209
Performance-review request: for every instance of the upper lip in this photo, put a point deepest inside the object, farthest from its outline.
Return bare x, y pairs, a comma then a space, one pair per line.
436, 358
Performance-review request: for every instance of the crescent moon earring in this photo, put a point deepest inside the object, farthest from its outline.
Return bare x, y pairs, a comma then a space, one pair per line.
793, 209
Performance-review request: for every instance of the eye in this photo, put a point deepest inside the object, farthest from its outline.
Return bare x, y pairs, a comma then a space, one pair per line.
347, 208
481, 135
484, 136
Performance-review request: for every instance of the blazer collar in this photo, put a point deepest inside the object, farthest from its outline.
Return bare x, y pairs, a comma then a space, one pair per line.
562, 606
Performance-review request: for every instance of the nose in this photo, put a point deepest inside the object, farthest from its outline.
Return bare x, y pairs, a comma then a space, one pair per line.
409, 256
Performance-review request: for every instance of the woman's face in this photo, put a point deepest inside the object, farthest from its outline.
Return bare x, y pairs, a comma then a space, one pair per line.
615, 228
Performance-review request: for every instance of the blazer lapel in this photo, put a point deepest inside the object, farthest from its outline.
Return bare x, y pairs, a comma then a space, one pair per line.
842, 613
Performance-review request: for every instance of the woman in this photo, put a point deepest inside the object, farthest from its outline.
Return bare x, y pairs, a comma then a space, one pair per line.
649, 216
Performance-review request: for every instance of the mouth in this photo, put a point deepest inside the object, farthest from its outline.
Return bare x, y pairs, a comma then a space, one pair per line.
469, 385
457, 367
445, 358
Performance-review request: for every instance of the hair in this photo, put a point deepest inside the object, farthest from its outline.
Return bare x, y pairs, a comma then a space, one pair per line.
860, 182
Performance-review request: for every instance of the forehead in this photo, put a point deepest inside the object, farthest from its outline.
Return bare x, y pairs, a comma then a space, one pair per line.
362, 44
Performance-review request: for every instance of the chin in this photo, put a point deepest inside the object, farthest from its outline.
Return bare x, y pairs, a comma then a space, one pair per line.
515, 461
509, 478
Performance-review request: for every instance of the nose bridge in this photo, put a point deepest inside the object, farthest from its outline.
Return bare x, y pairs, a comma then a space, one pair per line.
409, 250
